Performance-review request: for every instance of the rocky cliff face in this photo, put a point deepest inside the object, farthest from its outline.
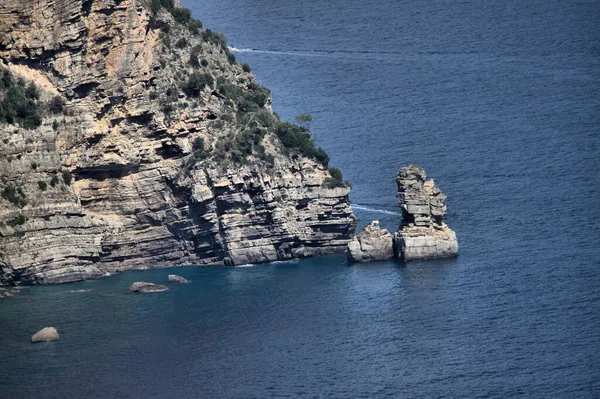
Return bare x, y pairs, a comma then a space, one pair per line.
164, 152
423, 234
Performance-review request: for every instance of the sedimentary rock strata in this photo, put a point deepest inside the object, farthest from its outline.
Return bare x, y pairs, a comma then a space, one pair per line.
153, 159
372, 243
423, 233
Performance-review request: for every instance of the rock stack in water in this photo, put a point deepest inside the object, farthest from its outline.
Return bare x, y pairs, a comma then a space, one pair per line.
371, 243
423, 233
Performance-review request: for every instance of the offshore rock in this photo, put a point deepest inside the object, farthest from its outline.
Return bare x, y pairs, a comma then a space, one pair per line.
370, 244
423, 233
45, 335
173, 278
145, 288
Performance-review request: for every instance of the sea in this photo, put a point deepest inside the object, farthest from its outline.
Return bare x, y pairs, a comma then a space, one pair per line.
499, 101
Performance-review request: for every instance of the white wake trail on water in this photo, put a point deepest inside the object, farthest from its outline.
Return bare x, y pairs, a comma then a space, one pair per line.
373, 210
256, 51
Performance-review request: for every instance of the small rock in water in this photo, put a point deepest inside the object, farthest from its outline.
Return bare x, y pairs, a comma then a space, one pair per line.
173, 278
371, 243
45, 335
144, 287
86, 290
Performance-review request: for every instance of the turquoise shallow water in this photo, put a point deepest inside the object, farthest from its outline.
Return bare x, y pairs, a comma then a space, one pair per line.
499, 103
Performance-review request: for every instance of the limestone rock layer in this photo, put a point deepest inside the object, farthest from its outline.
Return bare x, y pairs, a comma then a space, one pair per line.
118, 180
372, 243
423, 233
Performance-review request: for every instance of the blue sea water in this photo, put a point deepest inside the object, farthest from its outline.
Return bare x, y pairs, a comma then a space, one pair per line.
499, 102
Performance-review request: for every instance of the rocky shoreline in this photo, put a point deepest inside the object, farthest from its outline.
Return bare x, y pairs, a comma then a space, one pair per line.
154, 148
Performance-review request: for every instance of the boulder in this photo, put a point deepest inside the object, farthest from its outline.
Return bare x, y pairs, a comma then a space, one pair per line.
370, 244
45, 334
423, 233
173, 278
144, 287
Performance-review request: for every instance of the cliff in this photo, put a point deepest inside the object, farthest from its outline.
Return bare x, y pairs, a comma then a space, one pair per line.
152, 147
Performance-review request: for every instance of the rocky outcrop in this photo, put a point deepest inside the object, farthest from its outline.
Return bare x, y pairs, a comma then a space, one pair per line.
153, 160
145, 288
45, 335
423, 233
370, 244
173, 278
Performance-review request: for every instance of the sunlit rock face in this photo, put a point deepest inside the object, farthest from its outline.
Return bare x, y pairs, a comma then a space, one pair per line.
423, 233
124, 187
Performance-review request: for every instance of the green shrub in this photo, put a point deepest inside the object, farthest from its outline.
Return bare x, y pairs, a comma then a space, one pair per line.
214, 38
55, 125
19, 220
165, 28
16, 196
335, 173
246, 67
336, 180
230, 56
297, 138
265, 118
204, 62
194, 53
181, 43
54, 181
155, 5
196, 83
19, 104
304, 118
67, 177
194, 26
182, 15
42, 185
57, 105
198, 144
32, 91
34, 165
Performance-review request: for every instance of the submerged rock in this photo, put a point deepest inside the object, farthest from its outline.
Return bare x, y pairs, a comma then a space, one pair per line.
144, 287
45, 335
423, 233
173, 278
371, 243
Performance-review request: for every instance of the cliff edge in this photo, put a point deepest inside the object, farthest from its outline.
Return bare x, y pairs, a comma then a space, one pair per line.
131, 138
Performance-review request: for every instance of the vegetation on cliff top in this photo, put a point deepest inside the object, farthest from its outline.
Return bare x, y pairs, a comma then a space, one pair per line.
251, 122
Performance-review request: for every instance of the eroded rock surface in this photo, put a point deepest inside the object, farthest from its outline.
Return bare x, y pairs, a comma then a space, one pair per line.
423, 233
173, 278
370, 244
129, 175
145, 288
45, 335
